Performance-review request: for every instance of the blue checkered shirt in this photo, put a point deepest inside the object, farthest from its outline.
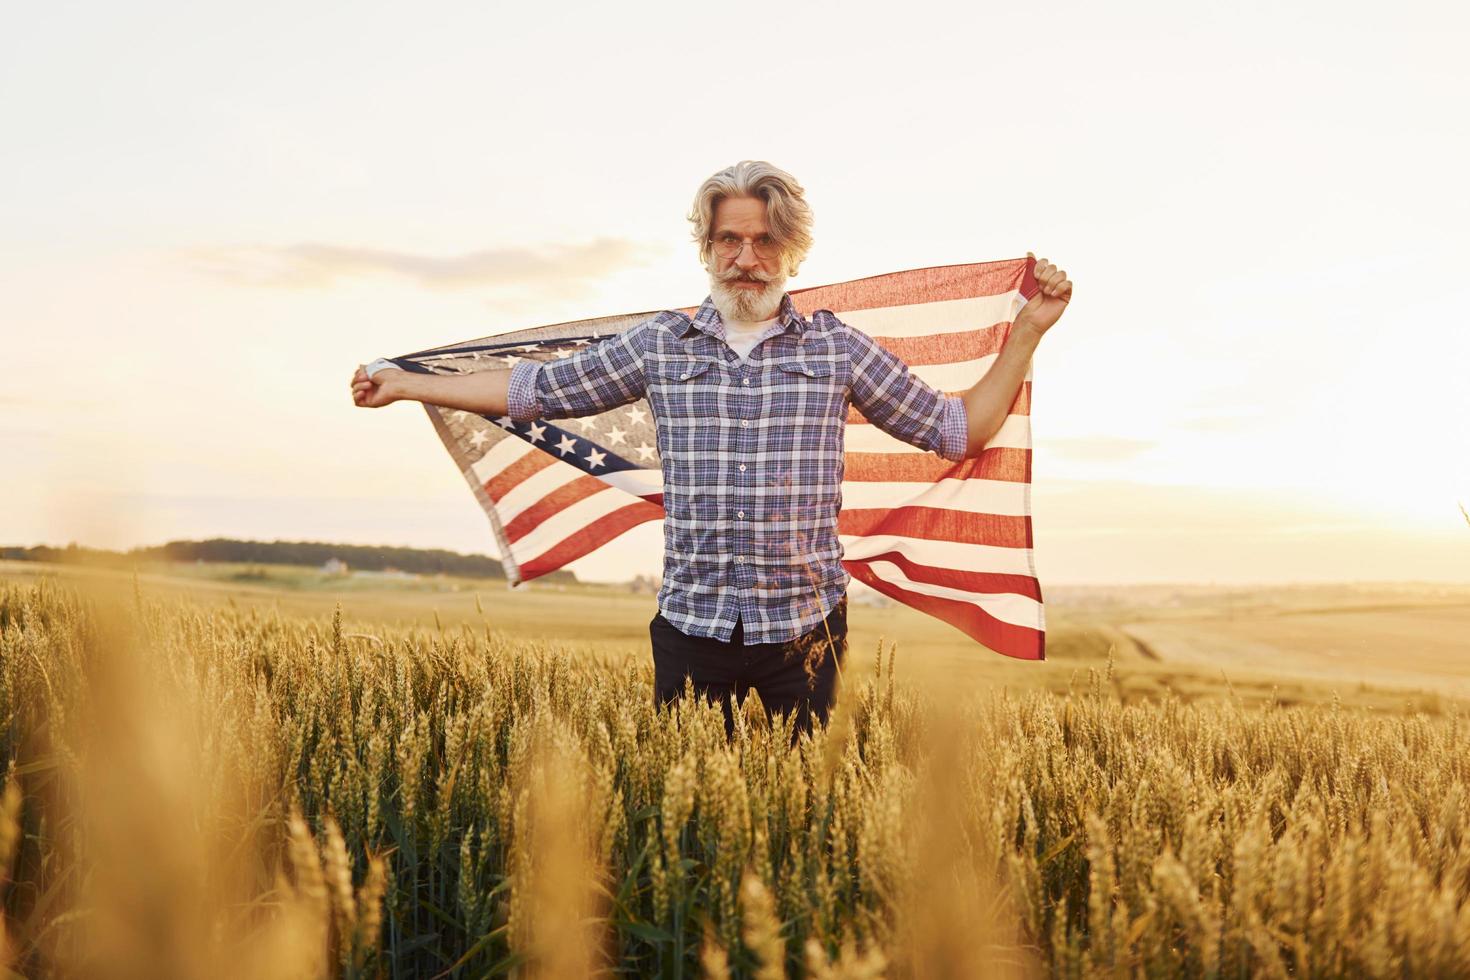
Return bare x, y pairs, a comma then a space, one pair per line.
752, 452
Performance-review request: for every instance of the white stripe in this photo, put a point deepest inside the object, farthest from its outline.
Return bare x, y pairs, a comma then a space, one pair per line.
502, 454
568, 522
1008, 607
638, 482
1014, 433
941, 316
940, 554
977, 496
529, 491
956, 375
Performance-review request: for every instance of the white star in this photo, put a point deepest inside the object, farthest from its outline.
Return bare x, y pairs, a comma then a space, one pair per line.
505, 423
511, 360
645, 451
566, 445
581, 341
536, 433
478, 439
637, 415
615, 436
595, 459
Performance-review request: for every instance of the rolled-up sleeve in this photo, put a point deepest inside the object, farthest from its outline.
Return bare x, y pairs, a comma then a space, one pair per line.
900, 403
603, 376
954, 429
520, 400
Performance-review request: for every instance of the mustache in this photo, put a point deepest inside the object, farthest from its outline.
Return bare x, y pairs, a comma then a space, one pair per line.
736, 275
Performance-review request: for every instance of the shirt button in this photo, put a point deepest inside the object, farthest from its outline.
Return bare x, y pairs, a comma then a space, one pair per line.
740, 559
742, 467
740, 513
745, 423
746, 381
808, 373
685, 376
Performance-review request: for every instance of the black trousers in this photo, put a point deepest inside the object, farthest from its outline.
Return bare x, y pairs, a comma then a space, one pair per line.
796, 676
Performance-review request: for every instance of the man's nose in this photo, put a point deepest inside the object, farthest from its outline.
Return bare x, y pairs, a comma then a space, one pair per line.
747, 259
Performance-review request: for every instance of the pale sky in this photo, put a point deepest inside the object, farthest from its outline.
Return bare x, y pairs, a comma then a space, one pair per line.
212, 214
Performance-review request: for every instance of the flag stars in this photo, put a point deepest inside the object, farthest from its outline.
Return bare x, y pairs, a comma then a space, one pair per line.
616, 436
595, 459
536, 433
478, 439
567, 445
636, 415
505, 422
645, 452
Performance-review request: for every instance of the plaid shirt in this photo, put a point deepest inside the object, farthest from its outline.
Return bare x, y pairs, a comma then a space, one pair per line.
752, 453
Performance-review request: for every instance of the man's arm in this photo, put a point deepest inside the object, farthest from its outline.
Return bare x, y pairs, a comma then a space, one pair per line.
955, 427
484, 392
603, 376
989, 400
901, 403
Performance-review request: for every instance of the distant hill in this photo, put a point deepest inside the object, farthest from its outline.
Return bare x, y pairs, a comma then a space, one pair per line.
358, 557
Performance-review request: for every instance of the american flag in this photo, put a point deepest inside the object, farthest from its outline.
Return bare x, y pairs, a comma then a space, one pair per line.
950, 539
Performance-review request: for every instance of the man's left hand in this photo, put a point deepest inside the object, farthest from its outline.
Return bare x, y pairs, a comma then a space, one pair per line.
1052, 297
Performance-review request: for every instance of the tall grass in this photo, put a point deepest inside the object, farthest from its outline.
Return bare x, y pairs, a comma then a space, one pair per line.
195, 793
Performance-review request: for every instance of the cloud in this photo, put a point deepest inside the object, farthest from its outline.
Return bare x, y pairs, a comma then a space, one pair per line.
313, 265
1097, 449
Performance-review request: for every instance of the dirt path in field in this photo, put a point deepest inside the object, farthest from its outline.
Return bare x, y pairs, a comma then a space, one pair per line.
1419, 646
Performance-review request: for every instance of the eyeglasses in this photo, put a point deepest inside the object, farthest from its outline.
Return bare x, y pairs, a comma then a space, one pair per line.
729, 246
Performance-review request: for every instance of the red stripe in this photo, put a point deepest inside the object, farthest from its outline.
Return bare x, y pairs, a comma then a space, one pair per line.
947, 348
981, 583
1012, 465
1029, 286
585, 540
916, 286
552, 503
937, 524
1004, 638
1021, 406
507, 479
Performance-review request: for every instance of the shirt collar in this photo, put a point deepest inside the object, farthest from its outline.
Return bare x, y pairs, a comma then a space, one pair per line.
708, 320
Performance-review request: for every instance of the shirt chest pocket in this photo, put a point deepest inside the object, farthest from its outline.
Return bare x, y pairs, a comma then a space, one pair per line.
682, 388
819, 371
676, 371
812, 391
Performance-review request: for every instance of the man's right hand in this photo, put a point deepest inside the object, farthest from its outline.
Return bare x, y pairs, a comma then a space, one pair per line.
383, 388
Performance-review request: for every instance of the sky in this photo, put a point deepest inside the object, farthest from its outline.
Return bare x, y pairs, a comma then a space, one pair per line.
213, 213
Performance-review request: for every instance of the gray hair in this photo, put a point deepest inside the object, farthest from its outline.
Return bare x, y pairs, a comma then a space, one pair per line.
787, 213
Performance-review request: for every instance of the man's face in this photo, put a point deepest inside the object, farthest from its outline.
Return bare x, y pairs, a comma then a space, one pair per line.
745, 286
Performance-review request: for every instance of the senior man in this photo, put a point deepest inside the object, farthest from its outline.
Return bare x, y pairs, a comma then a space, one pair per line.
749, 400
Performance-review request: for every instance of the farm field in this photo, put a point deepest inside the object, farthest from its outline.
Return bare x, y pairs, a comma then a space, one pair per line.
208, 778
1389, 646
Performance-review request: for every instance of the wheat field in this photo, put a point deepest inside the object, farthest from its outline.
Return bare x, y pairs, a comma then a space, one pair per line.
200, 791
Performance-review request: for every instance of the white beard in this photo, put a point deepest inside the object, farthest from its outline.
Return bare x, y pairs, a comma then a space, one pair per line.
743, 304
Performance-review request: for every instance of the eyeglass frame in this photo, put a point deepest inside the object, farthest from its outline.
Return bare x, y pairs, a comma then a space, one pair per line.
773, 244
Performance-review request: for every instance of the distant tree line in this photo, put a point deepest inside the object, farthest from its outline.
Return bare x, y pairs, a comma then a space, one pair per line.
424, 561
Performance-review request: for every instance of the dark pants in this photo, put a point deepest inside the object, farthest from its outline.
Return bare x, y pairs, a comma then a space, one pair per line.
796, 676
